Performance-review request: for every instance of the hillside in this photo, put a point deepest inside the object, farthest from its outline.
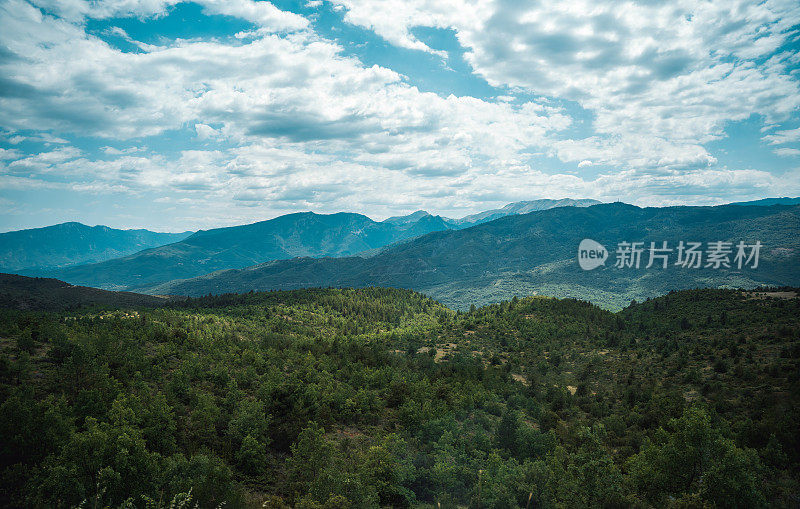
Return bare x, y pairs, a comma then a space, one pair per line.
43, 294
73, 243
379, 397
766, 202
537, 254
288, 236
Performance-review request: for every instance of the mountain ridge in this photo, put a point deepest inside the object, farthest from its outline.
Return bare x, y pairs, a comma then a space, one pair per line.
536, 253
72, 243
522, 207
292, 235
287, 236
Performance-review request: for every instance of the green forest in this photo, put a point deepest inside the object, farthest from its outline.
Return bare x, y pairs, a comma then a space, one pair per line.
375, 397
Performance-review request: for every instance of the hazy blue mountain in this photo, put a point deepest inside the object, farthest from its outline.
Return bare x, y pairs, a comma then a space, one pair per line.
73, 243
770, 201
410, 218
520, 207
292, 235
537, 253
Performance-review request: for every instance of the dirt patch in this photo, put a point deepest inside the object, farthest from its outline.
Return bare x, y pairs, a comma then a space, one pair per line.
691, 395
442, 351
774, 295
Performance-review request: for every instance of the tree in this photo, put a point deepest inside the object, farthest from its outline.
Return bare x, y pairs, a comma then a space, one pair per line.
506, 435
696, 459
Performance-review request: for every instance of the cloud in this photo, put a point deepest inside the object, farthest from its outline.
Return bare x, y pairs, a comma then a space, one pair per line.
787, 152
263, 14
44, 162
288, 89
782, 137
9, 153
658, 76
205, 132
298, 123
116, 152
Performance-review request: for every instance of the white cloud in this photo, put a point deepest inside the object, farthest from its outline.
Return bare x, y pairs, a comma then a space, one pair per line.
782, 137
45, 159
300, 125
787, 152
658, 77
205, 132
262, 13
9, 153
295, 89
112, 151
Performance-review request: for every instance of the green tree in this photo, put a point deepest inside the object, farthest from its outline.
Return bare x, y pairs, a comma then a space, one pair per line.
696, 459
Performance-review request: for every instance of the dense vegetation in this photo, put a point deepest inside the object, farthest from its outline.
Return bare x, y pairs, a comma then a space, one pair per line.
380, 397
45, 294
537, 252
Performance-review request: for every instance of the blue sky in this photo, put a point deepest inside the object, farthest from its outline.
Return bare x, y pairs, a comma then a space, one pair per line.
182, 115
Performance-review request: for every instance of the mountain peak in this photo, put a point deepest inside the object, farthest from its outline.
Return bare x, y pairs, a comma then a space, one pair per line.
410, 218
522, 207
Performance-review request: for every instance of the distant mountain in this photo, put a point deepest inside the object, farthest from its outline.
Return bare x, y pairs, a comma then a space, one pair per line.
43, 294
537, 253
73, 243
766, 202
520, 207
292, 235
410, 218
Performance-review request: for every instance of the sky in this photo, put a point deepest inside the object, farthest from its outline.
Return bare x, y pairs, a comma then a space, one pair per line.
185, 115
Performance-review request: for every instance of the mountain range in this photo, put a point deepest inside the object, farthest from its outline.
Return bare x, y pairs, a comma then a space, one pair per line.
537, 253
520, 207
73, 243
304, 234
523, 248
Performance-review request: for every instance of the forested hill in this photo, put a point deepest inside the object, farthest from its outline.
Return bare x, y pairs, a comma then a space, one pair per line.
379, 397
45, 294
537, 254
